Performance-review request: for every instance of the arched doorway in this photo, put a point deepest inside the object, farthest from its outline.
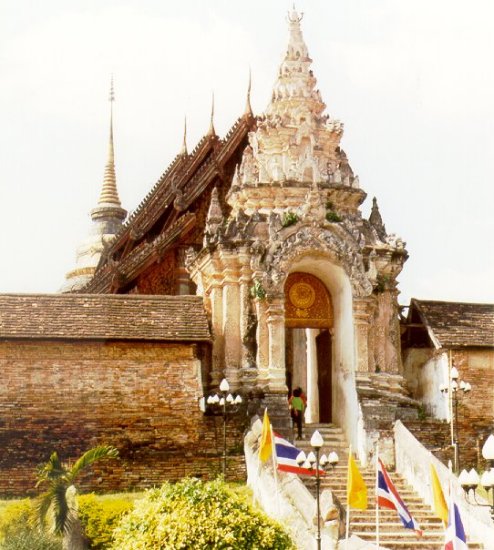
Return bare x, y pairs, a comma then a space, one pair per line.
309, 325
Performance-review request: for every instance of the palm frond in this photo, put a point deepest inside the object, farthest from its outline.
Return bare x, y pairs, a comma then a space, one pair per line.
89, 457
60, 509
51, 470
41, 507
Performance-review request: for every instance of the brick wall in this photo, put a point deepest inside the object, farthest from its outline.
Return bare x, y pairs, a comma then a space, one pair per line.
140, 397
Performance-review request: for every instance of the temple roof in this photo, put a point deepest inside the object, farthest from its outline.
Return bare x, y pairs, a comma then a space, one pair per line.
185, 179
454, 324
103, 316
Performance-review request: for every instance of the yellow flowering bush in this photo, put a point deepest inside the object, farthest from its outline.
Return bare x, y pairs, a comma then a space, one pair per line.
195, 515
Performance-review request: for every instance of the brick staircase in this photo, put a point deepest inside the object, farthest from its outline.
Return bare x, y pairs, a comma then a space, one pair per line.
363, 522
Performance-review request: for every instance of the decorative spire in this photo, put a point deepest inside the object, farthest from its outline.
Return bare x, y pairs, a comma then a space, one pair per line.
214, 219
212, 131
248, 107
109, 193
183, 152
294, 91
107, 219
376, 220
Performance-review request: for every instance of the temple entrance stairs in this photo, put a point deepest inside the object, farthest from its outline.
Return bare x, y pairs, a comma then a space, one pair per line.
363, 522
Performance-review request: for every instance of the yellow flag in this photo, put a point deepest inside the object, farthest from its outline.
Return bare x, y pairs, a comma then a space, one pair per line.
266, 447
440, 507
356, 487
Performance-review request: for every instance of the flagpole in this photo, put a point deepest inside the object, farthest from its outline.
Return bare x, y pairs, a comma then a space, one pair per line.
275, 469
347, 503
255, 498
377, 504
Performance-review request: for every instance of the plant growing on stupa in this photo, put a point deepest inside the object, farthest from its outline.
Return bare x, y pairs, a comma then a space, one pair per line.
289, 218
257, 290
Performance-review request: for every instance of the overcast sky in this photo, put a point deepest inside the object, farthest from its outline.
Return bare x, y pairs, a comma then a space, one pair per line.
413, 81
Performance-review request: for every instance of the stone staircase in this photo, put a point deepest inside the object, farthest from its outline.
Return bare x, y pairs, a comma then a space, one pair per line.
363, 522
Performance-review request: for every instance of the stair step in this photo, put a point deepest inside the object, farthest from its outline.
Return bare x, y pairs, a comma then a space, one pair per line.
388, 525
392, 534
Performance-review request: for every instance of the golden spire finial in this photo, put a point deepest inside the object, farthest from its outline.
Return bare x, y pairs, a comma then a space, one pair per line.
183, 152
248, 106
109, 193
211, 131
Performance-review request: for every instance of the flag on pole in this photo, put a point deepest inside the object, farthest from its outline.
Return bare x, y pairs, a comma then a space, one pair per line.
356, 487
266, 447
455, 534
440, 506
286, 458
388, 497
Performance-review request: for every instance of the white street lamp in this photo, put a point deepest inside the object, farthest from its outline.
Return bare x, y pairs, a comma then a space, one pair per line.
470, 480
318, 463
457, 388
222, 404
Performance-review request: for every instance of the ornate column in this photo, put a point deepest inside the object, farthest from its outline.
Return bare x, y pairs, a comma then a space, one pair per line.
245, 283
393, 337
231, 327
361, 319
276, 334
216, 300
262, 339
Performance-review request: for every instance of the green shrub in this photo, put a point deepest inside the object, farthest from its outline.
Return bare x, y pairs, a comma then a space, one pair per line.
192, 514
18, 533
100, 515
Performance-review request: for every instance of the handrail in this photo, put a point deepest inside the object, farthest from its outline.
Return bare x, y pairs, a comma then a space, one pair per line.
413, 463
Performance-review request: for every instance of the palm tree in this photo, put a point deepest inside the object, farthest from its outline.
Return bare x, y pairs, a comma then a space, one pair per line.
56, 508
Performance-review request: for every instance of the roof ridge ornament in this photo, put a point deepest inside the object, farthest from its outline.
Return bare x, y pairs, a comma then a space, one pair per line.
183, 151
212, 131
248, 106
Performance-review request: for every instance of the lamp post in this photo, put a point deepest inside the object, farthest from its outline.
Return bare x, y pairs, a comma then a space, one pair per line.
319, 463
456, 388
221, 404
470, 480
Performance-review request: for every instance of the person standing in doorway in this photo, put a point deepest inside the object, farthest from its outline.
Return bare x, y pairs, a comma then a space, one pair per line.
297, 408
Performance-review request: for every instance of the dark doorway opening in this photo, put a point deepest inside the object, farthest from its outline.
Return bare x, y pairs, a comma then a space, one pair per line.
324, 354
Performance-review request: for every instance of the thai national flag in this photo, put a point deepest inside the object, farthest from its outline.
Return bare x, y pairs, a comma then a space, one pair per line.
286, 457
455, 534
388, 497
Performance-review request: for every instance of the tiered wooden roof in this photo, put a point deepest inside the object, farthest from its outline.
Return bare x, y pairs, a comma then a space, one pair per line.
167, 214
103, 317
449, 324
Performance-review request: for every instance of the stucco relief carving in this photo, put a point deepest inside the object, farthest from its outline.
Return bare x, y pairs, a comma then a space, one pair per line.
282, 254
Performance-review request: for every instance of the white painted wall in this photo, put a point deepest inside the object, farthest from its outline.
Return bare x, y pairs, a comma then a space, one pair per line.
425, 371
312, 413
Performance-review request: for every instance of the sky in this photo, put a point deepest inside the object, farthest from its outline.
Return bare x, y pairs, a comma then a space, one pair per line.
412, 80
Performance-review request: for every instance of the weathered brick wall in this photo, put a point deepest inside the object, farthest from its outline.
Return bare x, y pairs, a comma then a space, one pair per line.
140, 397
475, 409
475, 412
